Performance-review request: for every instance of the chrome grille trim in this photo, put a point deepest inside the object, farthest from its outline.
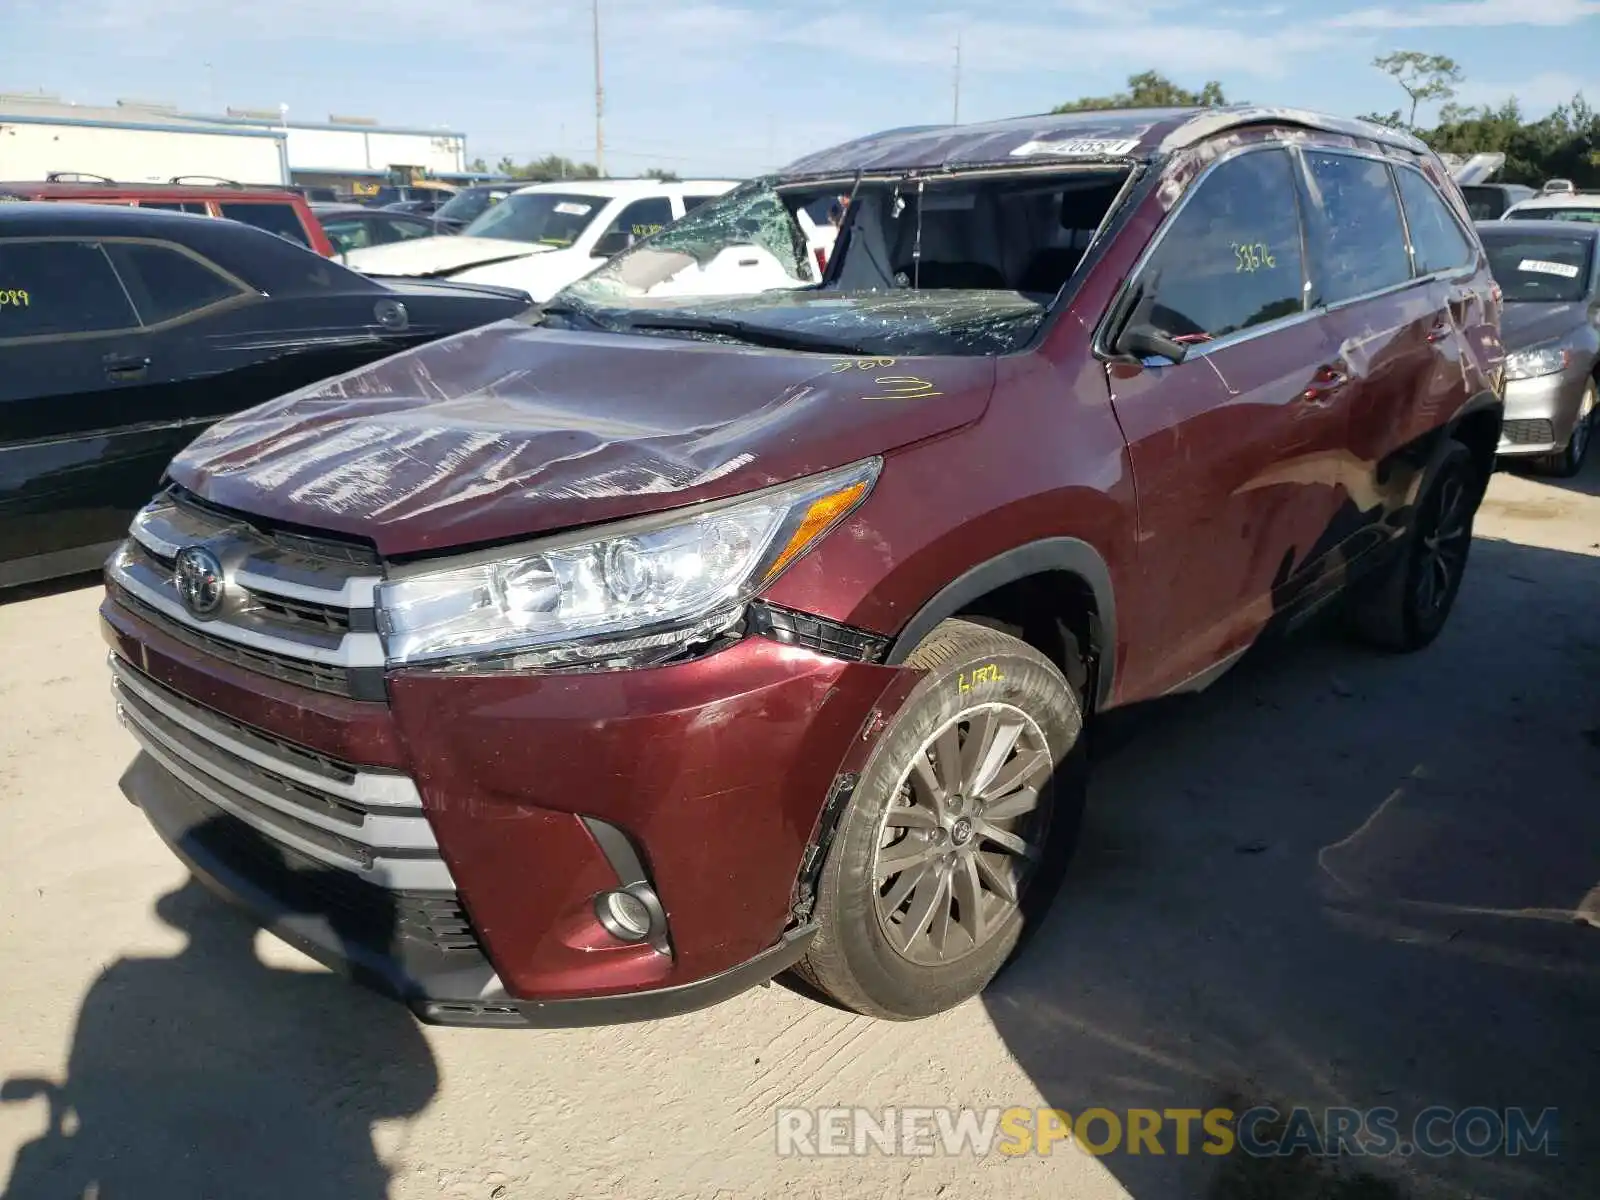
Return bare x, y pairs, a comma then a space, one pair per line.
285, 596
320, 816
366, 789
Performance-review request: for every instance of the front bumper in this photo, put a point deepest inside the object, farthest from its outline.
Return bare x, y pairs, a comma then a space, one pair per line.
1541, 412
714, 772
292, 898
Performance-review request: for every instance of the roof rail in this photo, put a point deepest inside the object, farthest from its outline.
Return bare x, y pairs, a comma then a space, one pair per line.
76, 177
216, 180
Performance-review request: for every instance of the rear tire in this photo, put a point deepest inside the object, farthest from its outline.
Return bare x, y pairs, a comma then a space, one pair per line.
964, 815
1404, 608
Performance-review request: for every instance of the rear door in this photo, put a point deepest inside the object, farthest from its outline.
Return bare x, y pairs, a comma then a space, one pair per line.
1399, 344
75, 360
1233, 449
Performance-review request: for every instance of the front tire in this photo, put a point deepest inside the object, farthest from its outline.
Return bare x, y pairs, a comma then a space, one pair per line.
965, 812
1406, 606
1569, 461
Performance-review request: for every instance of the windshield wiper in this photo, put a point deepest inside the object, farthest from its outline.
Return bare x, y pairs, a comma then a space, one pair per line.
756, 335
573, 312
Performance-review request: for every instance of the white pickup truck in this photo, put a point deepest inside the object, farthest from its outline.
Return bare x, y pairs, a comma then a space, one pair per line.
542, 237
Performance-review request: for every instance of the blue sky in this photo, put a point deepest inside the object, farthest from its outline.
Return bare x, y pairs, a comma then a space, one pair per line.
738, 86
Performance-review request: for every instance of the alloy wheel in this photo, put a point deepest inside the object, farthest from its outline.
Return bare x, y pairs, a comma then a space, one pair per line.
960, 837
1444, 547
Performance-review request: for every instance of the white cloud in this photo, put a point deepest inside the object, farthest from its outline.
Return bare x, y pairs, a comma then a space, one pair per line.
1537, 94
1459, 13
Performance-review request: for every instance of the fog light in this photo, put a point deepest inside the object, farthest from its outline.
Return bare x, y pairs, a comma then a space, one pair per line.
627, 915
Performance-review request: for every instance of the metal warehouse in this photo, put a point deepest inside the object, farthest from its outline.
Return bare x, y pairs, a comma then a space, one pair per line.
132, 142
137, 141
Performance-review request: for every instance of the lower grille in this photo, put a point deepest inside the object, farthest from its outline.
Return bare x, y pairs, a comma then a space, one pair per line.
366, 822
1528, 433
359, 912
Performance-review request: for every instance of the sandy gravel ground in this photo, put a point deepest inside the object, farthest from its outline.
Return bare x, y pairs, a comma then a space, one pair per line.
1337, 878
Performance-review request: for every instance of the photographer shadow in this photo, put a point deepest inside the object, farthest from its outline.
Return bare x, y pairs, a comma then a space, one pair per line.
210, 1073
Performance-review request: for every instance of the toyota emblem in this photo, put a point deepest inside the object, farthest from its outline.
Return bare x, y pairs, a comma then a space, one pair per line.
198, 575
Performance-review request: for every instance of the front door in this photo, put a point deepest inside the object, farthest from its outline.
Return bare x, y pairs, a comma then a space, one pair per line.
1236, 451
74, 354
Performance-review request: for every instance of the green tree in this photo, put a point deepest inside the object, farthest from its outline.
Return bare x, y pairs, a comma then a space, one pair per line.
1421, 76
550, 167
1563, 145
663, 176
1150, 89
478, 167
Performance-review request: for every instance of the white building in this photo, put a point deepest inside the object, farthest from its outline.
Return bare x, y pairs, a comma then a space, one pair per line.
346, 150
137, 142
132, 143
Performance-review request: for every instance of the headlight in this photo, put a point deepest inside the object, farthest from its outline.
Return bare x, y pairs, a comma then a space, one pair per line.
1541, 360
622, 595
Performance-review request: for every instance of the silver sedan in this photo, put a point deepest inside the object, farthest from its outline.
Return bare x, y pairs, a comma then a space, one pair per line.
1550, 274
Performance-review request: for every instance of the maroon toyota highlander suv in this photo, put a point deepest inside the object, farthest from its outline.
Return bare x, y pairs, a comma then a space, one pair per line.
719, 619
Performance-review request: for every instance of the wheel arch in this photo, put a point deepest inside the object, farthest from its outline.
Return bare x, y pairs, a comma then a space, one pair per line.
1477, 427
1063, 570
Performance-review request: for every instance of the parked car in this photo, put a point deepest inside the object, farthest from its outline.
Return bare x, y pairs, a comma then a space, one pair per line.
123, 333
678, 640
1557, 206
1490, 201
467, 205
1550, 274
542, 237
424, 198
355, 226
277, 210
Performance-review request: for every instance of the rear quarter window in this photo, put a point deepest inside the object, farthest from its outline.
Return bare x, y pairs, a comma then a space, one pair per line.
1437, 241
281, 219
165, 283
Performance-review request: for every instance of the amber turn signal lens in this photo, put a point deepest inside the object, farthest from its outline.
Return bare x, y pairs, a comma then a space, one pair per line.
824, 511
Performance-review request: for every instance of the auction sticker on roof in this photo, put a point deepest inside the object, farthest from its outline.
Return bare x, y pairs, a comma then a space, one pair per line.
568, 209
1079, 148
1543, 267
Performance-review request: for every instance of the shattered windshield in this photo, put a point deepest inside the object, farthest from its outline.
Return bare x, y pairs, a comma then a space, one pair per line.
958, 265
553, 218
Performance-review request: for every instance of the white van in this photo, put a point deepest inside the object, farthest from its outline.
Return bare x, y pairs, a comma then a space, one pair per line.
542, 237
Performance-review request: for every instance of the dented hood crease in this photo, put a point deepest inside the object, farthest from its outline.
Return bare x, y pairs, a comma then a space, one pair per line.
510, 431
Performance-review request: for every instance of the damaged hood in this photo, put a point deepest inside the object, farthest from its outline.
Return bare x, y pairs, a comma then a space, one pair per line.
1525, 323
509, 431
423, 256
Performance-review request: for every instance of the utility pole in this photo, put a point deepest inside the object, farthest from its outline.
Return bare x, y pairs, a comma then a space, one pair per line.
599, 100
955, 116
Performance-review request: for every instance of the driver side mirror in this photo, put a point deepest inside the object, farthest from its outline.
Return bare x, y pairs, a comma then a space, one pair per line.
1143, 342
614, 241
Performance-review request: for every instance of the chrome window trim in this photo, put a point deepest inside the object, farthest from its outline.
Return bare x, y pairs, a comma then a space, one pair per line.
1295, 150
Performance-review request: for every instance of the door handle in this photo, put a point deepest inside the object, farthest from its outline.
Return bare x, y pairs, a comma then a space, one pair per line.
121, 370
1324, 384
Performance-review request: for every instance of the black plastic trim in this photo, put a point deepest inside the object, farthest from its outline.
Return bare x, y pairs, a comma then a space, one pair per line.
832, 638
619, 851
1072, 555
